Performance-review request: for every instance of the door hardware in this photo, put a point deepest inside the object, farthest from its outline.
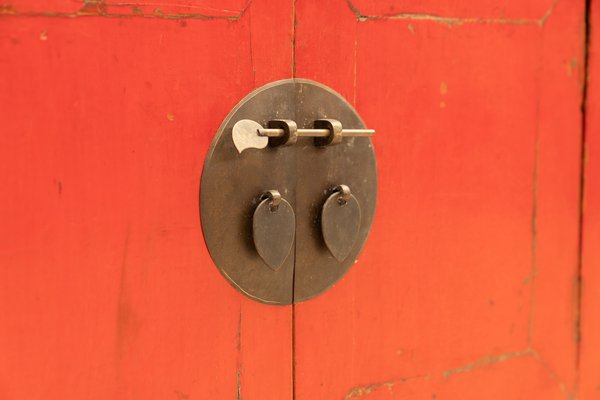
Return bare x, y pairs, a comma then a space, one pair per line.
244, 138
293, 242
273, 229
340, 221
250, 134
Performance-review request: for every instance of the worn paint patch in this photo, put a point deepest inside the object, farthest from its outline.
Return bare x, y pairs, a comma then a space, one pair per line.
361, 391
99, 8
484, 361
454, 21
443, 88
571, 66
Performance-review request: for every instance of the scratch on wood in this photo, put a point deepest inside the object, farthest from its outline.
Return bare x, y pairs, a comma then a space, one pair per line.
123, 308
485, 361
453, 21
534, 208
151, 4
238, 372
554, 376
360, 391
548, 13
238, 385
127, 323
100, 8
181, 395
365, 390
530, 280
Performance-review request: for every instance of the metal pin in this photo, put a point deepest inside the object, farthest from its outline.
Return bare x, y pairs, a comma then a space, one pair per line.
270, 132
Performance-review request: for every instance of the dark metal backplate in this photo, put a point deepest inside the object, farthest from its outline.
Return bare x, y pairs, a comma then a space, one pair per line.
304, 174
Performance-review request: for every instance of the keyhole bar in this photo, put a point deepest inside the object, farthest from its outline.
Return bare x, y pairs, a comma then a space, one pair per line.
272, 132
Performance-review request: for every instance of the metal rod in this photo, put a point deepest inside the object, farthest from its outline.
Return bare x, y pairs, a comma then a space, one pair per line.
316, 132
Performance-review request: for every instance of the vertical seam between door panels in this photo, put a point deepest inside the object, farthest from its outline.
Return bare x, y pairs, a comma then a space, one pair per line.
293, 38
294, 24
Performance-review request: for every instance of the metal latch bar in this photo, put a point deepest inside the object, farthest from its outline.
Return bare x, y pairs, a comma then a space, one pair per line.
248, 134
273, 132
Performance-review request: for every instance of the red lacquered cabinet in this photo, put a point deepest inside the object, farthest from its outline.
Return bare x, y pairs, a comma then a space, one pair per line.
480, 278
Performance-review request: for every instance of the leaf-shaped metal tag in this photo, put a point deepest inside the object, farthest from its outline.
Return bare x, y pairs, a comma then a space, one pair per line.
340, 222
245, 136
273, 229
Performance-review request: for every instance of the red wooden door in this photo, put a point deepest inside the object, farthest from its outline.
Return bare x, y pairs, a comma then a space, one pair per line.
107, 290
469, 286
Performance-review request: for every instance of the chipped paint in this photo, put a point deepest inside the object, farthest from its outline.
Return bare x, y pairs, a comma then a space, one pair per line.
554, 376
361, 391
100, 8
485, 361
454, 21
181, 395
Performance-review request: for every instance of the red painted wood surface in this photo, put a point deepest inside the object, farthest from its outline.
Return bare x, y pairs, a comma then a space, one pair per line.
590, 332
469, 285
106, 288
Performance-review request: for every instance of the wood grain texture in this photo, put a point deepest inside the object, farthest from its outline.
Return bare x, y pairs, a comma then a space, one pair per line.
472, 262
106, 288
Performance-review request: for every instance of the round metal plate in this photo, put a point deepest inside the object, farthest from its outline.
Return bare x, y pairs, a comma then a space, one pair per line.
304, 174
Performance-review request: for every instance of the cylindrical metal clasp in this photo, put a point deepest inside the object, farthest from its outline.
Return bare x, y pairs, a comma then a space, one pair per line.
290, 132
335, 132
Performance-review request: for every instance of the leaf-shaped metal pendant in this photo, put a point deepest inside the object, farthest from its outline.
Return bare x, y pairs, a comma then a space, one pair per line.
340, 222
273, 229
245, 136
